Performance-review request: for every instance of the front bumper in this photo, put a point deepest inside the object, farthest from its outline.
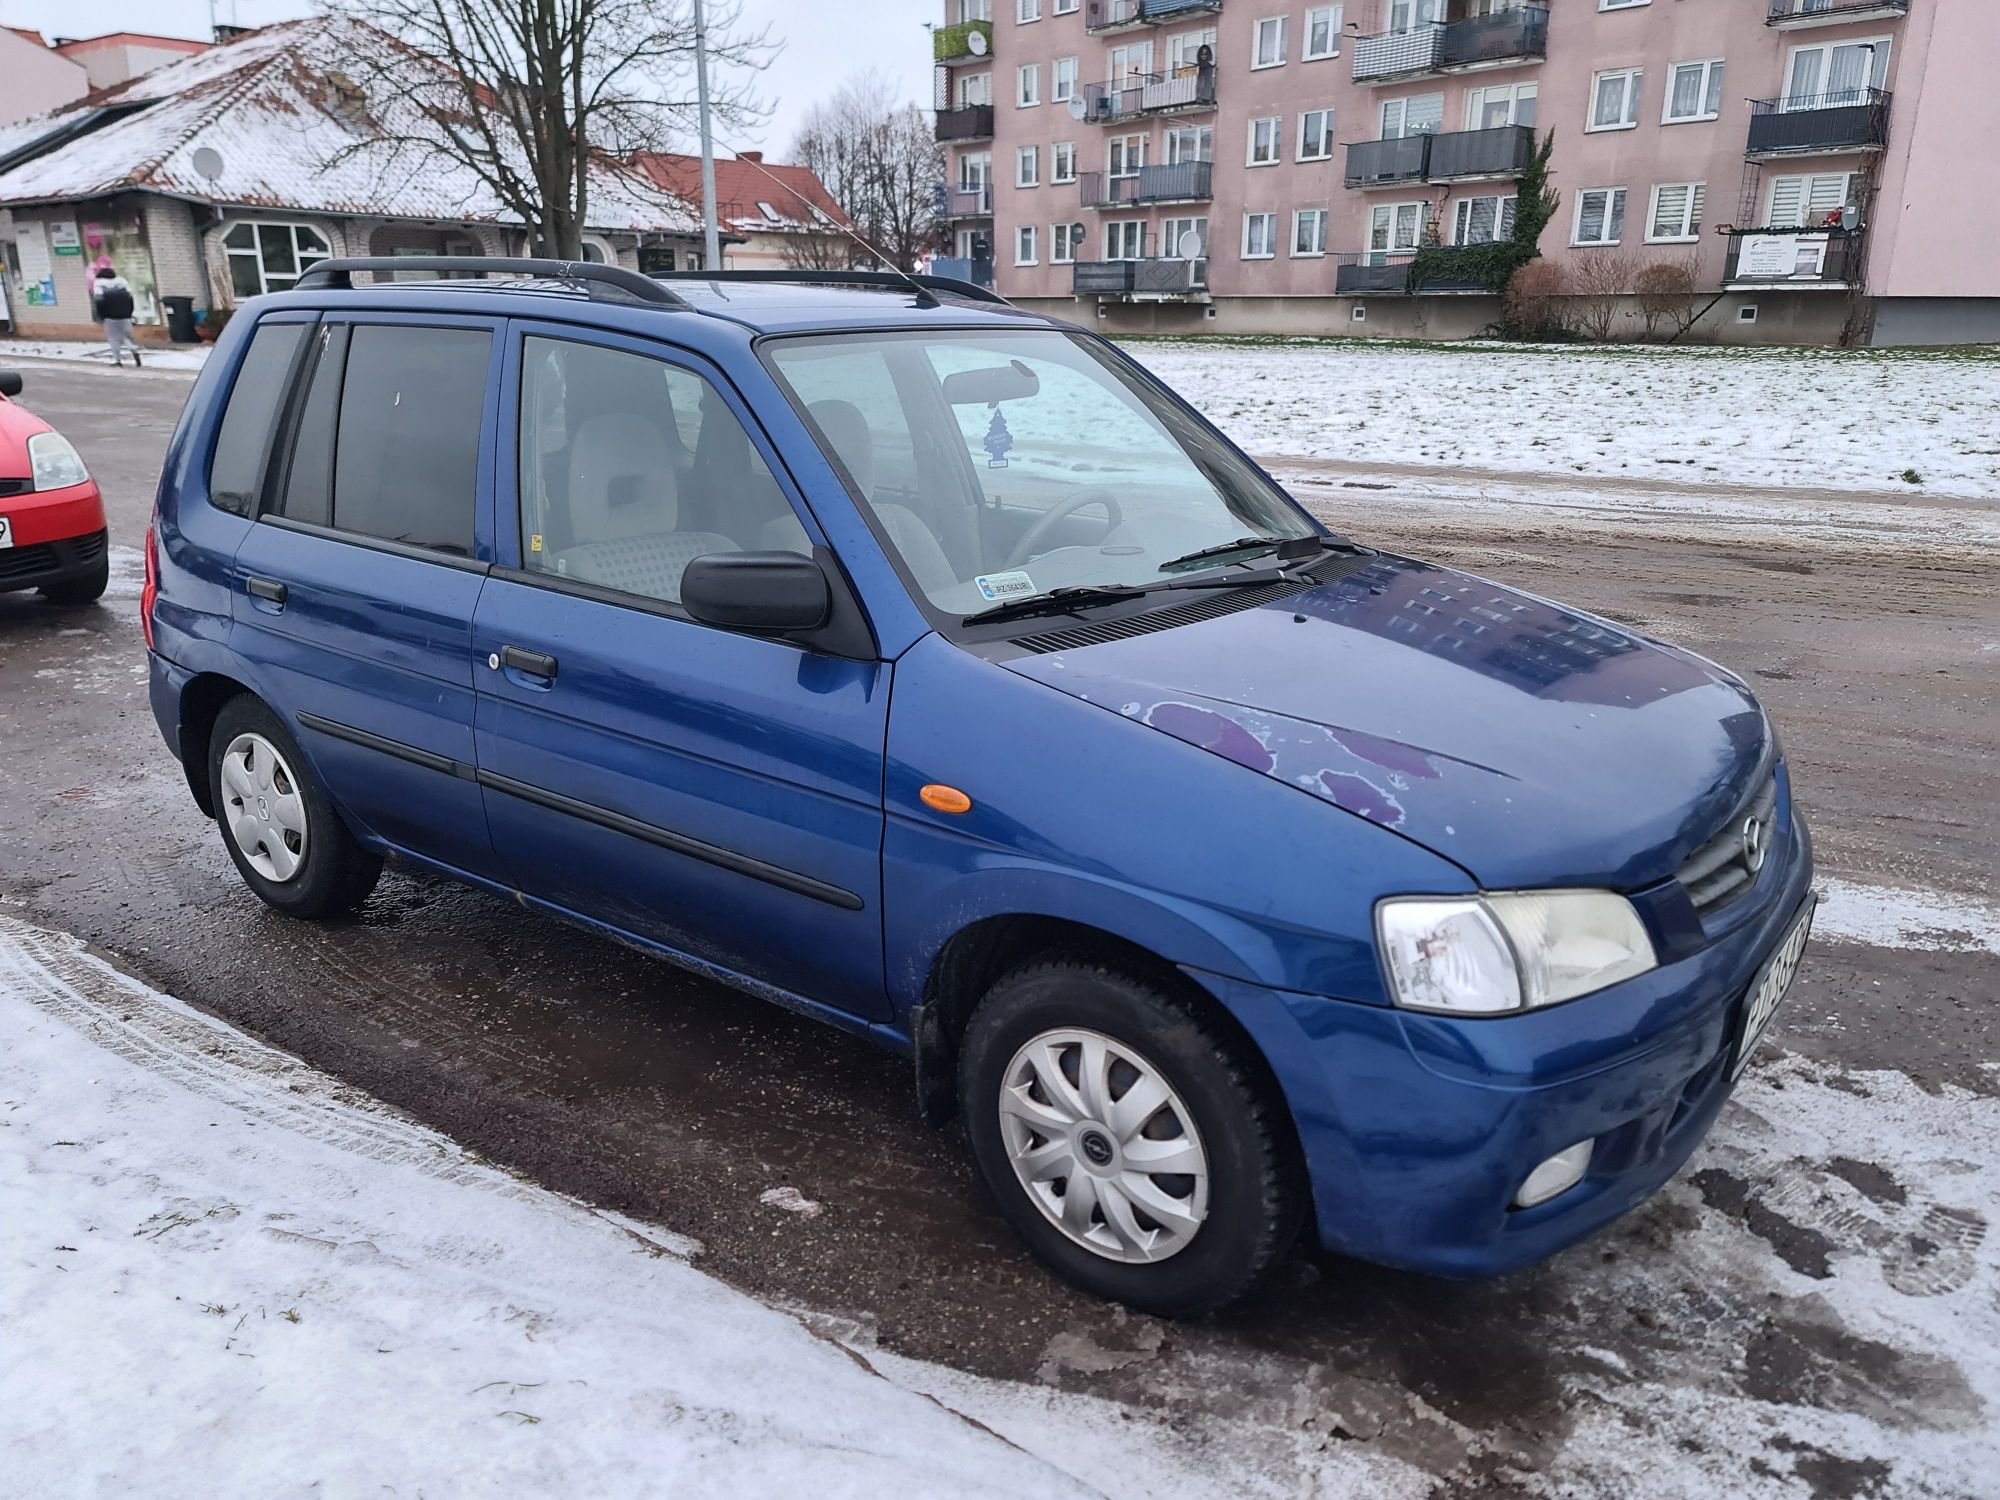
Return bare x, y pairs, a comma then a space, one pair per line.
1418, 1130
35, 565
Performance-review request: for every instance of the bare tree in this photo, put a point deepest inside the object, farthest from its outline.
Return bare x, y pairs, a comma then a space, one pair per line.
1670, 295
879, 160
1599, 281
531, 96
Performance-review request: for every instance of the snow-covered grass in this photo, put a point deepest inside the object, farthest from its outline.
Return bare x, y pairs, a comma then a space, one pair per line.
100, 354
1901, 420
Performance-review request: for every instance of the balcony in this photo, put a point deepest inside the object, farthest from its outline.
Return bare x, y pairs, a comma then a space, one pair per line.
1141, 280
966, 202
1794, 260
1149, 94
1183, 182
1819, 124
1458, 156
1796, 15
1385, 273
972, 123
1105, 16
975, 270
1495, 41
967, 42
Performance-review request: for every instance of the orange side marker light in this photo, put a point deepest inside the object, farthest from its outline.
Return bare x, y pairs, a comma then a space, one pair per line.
946, 799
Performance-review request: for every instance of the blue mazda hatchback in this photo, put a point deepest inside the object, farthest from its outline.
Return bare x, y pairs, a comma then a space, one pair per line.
926, 667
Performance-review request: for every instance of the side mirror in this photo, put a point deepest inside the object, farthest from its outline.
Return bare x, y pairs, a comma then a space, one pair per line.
10, 382
764, 593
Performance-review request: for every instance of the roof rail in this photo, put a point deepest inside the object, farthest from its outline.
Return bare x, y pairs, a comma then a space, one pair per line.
902, 279
601, 282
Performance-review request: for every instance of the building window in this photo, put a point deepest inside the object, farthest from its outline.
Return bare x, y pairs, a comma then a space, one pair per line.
1176, 230
1600, 216
1063, 240
1260, 236
1184, 49
975, 10
1316, 135
1125, 239
1694, 91
1419, 114
1614, 99
1481, 221
1064, 7
1322, 33
1024, 245
975, 89
1393, 229
1124, 155
1841, 73
1062, 82
1501, 104
1062, 162
1814, 200
1622, 4
1027, 10
1408, 15
1676, 212
1266, 141
271, 257
1268, 50
1028, 166
1028, 85
1129, 64
1309, 232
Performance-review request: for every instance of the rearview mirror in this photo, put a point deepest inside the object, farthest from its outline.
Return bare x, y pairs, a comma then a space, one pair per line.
10, 382
1013, 381
765, 593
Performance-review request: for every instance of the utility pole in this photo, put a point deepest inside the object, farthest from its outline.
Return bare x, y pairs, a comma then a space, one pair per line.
710, 238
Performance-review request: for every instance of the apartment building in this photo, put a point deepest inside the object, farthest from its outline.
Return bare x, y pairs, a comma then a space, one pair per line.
1253, 166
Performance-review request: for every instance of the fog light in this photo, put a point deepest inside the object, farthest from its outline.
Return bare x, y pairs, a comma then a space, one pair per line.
1558, 1174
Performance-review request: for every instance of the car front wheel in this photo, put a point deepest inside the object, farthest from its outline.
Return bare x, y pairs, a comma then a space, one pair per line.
1128, 1140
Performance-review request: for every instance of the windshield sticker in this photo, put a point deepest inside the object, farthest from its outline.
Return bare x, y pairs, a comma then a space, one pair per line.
1000, 586
999, 441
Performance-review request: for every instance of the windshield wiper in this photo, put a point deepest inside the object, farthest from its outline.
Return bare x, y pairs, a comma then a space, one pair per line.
1291, 550
1221, 549
1057, 601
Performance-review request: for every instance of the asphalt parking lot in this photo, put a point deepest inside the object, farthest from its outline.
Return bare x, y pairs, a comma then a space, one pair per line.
1802, 1313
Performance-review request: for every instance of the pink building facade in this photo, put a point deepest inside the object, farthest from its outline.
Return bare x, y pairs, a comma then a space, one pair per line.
1809, 167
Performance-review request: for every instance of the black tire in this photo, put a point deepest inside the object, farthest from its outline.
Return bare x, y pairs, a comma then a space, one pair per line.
72, 593
1255, 1185
335, 873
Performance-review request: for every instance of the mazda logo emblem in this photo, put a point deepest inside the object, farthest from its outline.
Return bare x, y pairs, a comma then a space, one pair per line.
1754, 849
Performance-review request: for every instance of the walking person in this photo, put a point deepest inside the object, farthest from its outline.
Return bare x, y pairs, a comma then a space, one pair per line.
112, 297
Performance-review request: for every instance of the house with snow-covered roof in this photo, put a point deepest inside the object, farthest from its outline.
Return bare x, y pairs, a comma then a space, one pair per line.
226, 174
782, 215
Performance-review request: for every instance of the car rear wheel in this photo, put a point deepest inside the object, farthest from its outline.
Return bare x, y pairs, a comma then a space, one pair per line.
288, 843
1127, 1140
88, 588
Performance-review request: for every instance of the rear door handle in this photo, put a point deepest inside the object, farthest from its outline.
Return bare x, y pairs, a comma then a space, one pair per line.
534, 663
266, 588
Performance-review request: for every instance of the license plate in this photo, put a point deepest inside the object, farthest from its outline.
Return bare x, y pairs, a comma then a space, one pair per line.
1770, 988
6, 532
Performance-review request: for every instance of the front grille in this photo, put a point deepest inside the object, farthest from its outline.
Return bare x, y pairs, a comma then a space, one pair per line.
16, 486
1720, 870
1210, 606
30, 564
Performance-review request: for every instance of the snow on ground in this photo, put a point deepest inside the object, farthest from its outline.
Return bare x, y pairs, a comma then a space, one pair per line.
100, 354
1887, 917
1818, 418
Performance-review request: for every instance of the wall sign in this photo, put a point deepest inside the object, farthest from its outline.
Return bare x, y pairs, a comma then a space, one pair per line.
63, 235
38, 272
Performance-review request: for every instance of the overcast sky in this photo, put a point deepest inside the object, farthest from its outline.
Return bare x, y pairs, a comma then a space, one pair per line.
825, 42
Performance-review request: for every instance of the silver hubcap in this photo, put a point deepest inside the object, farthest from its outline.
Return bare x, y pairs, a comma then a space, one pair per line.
1103, 1146
262, 808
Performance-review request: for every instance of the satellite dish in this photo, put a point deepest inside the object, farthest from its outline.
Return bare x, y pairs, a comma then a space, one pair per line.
1077, 108
1076, 232
1188, 246
208, 162
976, 44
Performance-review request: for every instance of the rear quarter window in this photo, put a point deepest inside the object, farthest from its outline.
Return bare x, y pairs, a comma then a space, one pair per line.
249, 422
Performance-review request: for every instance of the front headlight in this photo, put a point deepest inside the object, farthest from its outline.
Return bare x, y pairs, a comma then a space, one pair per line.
1508, 950
54, 462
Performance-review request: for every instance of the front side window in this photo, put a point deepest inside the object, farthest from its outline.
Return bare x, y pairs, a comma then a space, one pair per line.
1268, 47
1266, 141
270, 257
1600, 216
1260, 236
1676, 211
1615, 99
1322, 32
1694, 91
631, 468
1316, 135
1050, 464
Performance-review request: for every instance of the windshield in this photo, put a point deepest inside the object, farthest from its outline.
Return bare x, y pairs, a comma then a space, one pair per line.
1007, 465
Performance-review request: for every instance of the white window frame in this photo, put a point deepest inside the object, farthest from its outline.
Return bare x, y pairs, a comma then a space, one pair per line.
1117, 232
1502, 228
975, 89
1062, 162
1062, 86
1283, 24
1299, 145
1270, 222
1134, 162
1393, 215
1635, 83
1204, 144
1025, 236
1172, 229
1333, 15
1277, 124
1712, 75
1064, 7
1299, 218
1808, 182
1692, 213
1400, 107
1026, 11
1062, 249
1183, 47
1615, 200
1027, 85
1878, 65
1027, 166
1622, 4
272, 281
1516, 93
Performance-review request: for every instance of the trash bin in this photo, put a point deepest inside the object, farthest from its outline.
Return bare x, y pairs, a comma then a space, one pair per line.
180, 319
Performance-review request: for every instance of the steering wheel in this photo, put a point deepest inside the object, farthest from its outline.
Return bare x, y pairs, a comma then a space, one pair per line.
1061, 511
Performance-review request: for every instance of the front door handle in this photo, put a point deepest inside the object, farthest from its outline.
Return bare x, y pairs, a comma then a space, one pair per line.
266, 588
534, 663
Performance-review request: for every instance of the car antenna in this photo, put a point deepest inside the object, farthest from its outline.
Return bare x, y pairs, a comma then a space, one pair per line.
923, 295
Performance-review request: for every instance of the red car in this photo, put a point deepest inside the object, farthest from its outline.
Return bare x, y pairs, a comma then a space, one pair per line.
52, 535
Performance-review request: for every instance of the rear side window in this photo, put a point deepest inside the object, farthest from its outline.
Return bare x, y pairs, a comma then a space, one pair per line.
249, 421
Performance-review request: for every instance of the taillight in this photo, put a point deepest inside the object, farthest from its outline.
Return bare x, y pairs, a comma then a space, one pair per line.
150, 594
